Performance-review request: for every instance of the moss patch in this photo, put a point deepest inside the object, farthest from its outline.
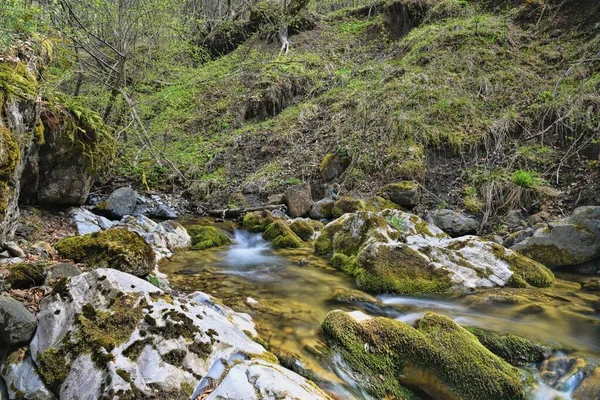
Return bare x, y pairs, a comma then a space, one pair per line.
514, 349
551, 255
304, 229
439, 357
114, 248
281, 236
258, 221
347, 205
205, 237
526, 271
26, 275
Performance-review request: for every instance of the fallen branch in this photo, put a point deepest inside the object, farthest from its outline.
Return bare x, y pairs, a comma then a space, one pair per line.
236, 212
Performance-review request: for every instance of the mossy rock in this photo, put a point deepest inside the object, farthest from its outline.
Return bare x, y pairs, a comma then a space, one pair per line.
333, 165
514, 349
26, 275
303, 228
117, 248
404, 193
258, 221
438, 357
206, 237
347, 205
525, 270
348, 234
377, 204
10, 155
396, 268
281, 236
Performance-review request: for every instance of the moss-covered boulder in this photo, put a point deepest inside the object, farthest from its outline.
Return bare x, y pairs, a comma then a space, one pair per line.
333, 165
282, 236
346, 205
26, 275
377, 204
351, 232
257, 221
514, 349
114, 248
305, 229
404, 193
206, 237
438, 357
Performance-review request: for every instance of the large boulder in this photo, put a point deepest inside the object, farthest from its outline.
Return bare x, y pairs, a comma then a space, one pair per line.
397, 252
115, 248
437, 357
108, 332
406, 193
120, 203
298, 200
567, 242
453, 223
17, 323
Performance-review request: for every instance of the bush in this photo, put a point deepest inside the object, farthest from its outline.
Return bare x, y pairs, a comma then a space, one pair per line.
19, 20
526, 179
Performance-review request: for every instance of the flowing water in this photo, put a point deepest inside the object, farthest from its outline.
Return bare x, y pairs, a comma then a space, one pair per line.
289, 292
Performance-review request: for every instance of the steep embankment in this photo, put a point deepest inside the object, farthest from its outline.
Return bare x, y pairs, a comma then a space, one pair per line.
50, 146
482, 102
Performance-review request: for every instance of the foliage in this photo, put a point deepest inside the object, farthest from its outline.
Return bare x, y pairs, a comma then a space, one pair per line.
20, 20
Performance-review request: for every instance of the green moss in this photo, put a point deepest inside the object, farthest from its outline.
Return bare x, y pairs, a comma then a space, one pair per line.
53, 366
377, 204
525, 270
347, 205
26, 275
258, 221
438, 357
551, 255
176, 325
398, 269
134, 350
114, 248
304, 229
174, 357
514, 349
10, 154
205, 237
281, 236
326, 161
17, 80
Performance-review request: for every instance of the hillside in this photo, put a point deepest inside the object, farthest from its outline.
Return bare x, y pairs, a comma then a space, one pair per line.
489, 105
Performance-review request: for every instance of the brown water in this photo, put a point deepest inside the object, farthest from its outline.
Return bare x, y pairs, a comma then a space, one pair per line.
291, 291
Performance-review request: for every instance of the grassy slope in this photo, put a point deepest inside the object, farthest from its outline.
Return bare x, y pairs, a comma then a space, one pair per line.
469, 96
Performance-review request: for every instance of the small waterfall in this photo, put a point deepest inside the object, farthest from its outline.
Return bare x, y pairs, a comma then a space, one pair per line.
251, 256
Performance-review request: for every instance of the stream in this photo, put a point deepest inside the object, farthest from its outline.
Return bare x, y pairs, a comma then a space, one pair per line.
289, 292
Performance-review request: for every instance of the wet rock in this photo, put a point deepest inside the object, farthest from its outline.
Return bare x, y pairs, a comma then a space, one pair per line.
144, 340
322, 209
298, 200
14, 250
17, 323
333, 165
453, 223
589, 388
406, 193
304, 228
22, 378
437, 356
206, 237
282, 236
567, 242
120, 203
163, 211
115, 248
515, 219
592, 284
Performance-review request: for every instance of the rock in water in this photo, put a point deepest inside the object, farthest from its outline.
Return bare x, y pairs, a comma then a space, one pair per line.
298, 200
116, 248
405, 193
17, 323
453, 223
120, 203
109, 332
570, 241
438, 357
